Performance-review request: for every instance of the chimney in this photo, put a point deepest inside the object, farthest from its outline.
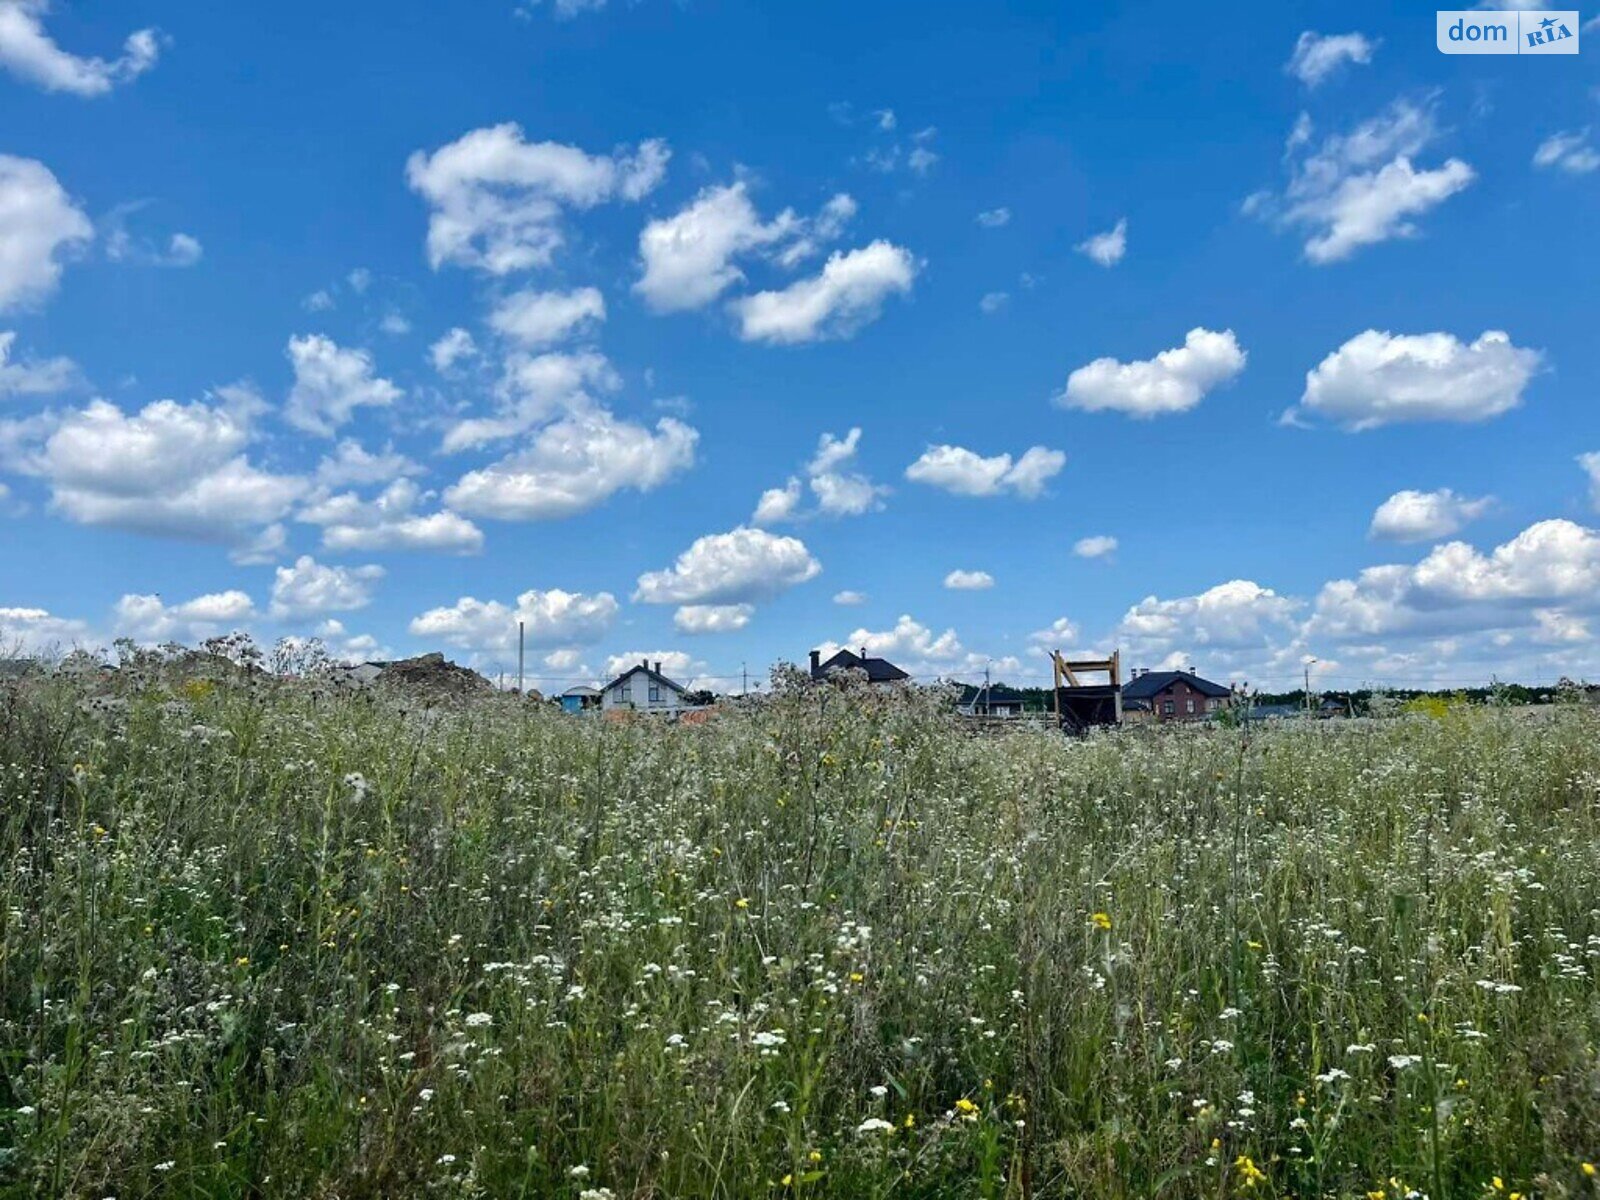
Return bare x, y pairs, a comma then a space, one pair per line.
816, 661
658, 667
645, 663
863, 652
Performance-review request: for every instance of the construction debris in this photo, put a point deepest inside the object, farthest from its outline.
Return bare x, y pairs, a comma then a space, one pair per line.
431, 676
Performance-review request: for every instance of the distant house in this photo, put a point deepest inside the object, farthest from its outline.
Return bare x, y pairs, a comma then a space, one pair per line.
995, 701
1172, 696
879, 670
644, 689
579, 699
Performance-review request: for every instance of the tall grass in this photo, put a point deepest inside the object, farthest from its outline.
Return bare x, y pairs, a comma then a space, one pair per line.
266, 941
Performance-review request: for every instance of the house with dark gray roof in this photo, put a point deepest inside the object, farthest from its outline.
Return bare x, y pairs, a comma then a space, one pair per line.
1171, 696
644, 688
879, 670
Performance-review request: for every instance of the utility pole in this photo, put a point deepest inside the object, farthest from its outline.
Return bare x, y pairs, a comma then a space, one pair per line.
744, 676
1308, 663
519, 656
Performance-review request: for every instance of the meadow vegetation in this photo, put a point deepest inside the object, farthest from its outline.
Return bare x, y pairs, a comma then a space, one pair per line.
265, 939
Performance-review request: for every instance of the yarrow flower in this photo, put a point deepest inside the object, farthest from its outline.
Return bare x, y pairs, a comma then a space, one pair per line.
874, 1125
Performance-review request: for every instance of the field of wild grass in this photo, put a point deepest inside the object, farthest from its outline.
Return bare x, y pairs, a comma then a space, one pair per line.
267, 941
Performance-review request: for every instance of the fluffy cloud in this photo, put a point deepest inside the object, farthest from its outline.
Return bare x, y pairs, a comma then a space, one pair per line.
39, 227
534, 389
30, 54
1240, 614
968, 581
847, 294
496, 201
1174, 381
1591, 463
1318, 56
992, 302
689, 258
1570, 152
550, 618
33, 377
390, 522
741, 566
351, 463
330, 383
849, 598
1360, 188
533, 318
1107, 248
574, 464
966, 473
778, 504
1097, 546
309, 588
1551, 565
150, 619
39, 631
994, 218
712, 618
1378, 379
1061, 632
1412, 516
838, 490
174, 469
455, 346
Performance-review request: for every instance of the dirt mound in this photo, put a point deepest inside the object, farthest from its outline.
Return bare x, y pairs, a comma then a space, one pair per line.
433, 676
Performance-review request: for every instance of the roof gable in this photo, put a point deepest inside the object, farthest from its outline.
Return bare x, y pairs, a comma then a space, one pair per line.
1153, 683
654, 676
879, 670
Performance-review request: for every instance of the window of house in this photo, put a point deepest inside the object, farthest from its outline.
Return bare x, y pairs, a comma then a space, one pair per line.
1168, 707
1190, 704
655, 693
625, 694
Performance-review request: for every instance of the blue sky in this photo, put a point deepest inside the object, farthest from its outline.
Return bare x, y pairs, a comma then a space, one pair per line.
1297, 310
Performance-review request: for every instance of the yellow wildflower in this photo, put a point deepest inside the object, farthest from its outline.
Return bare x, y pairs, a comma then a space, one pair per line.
741, 902
1101, 920
1248, 1171
815, 1156
1589, 1169
966, 1107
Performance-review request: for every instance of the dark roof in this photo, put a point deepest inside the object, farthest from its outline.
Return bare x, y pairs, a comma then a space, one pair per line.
996, 694
655, 675
879, 670
1153, 683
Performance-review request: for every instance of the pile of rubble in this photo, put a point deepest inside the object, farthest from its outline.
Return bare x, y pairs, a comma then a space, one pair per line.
432, 676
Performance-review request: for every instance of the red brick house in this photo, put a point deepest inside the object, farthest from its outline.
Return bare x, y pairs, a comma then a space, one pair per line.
1171, 696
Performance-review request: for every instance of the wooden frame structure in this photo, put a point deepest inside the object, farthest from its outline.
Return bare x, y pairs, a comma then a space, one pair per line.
1080, 706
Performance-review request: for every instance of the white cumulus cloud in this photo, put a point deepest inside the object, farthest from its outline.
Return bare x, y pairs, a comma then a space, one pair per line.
1096, 546
742, 566
40, 227
573, 464
967, 473
1174, 381
533, 318
968, 581
330, 383
496, 200
1570, 152
549, 618
1412, 516
33, 376
309, 588
31, 54
1107, 248
712, 618
1379, 378
847, 294
390, 521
